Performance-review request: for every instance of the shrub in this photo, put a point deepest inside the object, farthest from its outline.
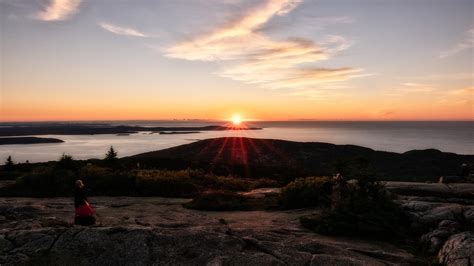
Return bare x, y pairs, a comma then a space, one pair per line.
364, 208
47, 181
57, 179
67, 162
107, 181
307, 192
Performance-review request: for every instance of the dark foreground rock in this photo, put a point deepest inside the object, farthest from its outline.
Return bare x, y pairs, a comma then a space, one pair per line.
188, 246
159, 231
446, 227
458, 250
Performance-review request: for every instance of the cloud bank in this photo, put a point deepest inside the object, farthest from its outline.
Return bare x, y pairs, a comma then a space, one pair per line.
122, 30
253, 57
59, 10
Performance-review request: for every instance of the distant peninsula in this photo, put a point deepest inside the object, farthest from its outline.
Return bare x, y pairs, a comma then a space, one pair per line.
96, 129
28, 140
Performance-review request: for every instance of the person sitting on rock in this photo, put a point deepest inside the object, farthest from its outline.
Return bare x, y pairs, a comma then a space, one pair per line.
84, 212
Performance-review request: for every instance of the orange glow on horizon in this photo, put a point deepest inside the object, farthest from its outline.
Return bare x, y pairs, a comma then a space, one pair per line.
252, 110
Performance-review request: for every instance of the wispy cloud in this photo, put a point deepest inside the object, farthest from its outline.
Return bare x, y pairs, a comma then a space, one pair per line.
122, 30
59, 10
468, 92
442, 76
257, 59
318, 94
385, 113
464, 96
412, 84
416, 87
467, 43
411, 88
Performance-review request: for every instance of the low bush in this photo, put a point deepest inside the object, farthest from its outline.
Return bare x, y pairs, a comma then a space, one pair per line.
46, 181
58, 180
307, 192
107, 181
364, 209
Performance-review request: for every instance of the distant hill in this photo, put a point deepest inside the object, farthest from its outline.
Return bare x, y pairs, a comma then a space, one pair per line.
287, 159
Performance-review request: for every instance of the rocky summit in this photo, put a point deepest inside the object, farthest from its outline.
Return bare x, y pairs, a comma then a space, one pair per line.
159, 231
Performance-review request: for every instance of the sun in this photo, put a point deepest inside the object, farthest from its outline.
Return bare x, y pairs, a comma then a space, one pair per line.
236, 120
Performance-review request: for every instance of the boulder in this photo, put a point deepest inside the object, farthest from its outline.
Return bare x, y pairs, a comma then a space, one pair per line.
448, 224
417, 206
469, 214
435, 239
434, 216
458, 250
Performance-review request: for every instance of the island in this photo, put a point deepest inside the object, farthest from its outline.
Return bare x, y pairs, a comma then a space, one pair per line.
28, 140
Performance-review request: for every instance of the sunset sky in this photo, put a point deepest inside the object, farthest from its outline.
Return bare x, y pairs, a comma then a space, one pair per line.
211, 59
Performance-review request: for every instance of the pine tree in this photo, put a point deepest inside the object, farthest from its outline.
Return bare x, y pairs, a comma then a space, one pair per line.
111, 155
9, 163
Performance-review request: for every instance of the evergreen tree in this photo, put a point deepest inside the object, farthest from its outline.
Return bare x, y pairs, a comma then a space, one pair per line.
111, 155
9, 163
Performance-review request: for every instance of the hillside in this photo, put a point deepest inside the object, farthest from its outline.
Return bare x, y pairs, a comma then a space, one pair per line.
286, 159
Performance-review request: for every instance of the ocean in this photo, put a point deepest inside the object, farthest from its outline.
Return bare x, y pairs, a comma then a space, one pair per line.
456, 137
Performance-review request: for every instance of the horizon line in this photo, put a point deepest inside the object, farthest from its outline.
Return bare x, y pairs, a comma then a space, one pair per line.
226, 120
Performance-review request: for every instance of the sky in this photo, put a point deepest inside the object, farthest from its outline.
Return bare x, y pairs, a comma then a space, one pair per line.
260, 59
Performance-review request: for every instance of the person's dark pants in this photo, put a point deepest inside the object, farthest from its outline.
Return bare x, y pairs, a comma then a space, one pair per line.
86, 220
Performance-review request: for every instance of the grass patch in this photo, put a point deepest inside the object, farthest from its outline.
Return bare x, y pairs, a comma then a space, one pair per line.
219, 201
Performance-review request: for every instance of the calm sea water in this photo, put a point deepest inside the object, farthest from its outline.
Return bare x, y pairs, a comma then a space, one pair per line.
454, 137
